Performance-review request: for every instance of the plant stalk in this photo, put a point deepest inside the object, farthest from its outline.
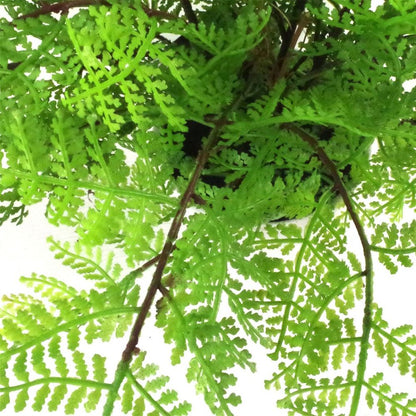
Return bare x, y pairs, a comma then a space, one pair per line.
368, 271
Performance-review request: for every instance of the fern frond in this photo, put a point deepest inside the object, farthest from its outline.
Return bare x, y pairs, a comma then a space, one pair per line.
394, 248
394, 403
96, 89
154, 394
84, 264
10, 208
393, 345
34, 332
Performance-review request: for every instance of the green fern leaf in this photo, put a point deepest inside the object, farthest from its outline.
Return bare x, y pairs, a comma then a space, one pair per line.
139, 406
93, 399
337, 356
38, 362
381, 406
4, 380
86, 266
4, 400
21, 400
168, 396
401, 330
46, 286
20, 368
379, 345
56, 355
369, 399
99, 367
376, 379
149, 384
14, 333
40, 398
391, 353
403, 359
73, 337
74, 400
57, 397
394, 411
10, 207
156, 384
351, 353
127, 399
80, 364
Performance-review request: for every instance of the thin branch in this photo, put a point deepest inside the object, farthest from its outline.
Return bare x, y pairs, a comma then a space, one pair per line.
139, 270
62, 7
156, 284
368, 272
169, 244
338, 184
146, 265
158, 13
162, 259
282, 62
394, 251
288, 37
173, 232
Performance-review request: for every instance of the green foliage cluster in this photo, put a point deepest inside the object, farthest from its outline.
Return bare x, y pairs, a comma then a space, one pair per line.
306, 116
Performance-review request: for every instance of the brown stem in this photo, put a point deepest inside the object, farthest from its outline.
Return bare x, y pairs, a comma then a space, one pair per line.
287, 35
146, 265
338, 184
169, 244
282, 63
62, 7
368, 272
158, 13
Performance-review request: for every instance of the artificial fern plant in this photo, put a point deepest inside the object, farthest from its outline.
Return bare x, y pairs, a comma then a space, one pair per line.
186, 139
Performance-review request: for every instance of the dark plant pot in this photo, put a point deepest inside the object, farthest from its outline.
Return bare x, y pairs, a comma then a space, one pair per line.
213, 177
